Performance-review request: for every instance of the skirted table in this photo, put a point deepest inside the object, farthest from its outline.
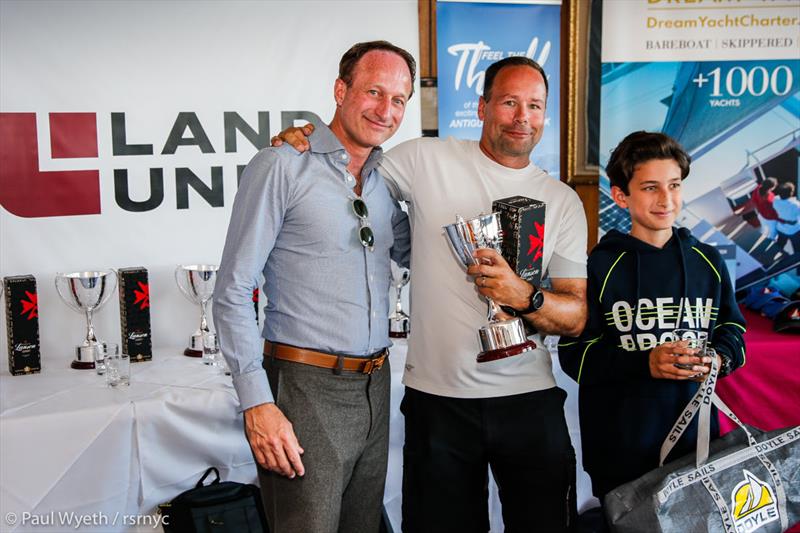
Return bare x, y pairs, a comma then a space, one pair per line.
765, 392
72, 449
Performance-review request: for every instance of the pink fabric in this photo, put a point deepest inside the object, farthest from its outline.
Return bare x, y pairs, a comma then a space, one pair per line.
765, 392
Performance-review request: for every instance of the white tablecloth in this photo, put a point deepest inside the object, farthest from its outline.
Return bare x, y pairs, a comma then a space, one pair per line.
71, 448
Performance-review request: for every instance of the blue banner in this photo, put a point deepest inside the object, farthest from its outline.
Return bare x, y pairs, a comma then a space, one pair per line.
472, 36
740, 123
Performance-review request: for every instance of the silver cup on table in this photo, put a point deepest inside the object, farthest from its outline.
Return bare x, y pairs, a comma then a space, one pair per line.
499, 338
196, 282
399, 320
86, 292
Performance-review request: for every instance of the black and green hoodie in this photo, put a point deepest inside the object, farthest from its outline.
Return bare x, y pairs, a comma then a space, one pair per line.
637, 294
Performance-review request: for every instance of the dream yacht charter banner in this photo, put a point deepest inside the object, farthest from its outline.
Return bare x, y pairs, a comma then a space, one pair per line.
721, 77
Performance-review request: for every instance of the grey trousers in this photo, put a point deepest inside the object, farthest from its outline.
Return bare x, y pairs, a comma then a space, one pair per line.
342, 423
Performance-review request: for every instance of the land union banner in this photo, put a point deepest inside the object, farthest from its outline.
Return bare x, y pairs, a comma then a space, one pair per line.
124, 127
720, 76
471, 36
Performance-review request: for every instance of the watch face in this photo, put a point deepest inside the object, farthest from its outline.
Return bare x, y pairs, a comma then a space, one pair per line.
537, 300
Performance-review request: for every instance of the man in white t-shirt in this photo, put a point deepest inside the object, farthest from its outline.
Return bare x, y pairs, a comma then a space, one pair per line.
463, 417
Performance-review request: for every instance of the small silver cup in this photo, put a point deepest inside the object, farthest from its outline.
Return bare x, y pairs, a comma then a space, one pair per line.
695, 339
399, 323
196, 282
499, 338
86, 292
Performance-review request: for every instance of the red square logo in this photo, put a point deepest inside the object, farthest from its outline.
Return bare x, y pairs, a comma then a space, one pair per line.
73, 135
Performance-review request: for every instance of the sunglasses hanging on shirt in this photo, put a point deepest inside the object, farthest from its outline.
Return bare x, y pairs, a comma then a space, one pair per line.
365, 234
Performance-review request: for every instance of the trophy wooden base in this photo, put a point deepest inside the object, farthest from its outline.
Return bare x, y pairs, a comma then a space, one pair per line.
87, 354
195, 348
193, 353
398, 334
502, 353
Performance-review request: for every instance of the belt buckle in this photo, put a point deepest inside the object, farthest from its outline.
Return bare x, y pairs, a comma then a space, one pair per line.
374, 364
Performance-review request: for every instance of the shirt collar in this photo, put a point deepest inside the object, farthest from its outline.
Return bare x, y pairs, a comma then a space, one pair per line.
323, 141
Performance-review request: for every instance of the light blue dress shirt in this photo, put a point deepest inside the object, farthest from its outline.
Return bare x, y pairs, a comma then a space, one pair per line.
293, 221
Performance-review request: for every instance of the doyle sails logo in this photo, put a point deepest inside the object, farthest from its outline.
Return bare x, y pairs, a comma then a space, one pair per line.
753, 504
28, 191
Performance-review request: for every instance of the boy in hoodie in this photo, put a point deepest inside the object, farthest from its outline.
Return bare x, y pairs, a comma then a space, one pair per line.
641, 286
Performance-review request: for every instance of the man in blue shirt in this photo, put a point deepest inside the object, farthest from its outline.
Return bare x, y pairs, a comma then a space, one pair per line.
321, 227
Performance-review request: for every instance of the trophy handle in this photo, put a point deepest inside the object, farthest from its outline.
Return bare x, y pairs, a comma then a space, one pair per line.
178, 277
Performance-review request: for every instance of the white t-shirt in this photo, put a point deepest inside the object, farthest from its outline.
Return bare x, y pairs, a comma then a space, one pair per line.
441, 178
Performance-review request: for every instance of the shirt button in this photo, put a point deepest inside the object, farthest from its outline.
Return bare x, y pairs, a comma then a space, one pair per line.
371, 277
343, 156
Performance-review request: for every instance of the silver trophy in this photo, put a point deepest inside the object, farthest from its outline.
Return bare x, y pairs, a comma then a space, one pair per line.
196, 282
398, 320
86, 292
499, 338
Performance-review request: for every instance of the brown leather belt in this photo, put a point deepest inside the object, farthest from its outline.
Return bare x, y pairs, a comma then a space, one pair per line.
363, 365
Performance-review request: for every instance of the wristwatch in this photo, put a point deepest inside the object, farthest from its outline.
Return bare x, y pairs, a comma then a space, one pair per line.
535, 303
727, 364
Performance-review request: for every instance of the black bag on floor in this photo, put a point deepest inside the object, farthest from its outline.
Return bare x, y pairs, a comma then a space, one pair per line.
219, 507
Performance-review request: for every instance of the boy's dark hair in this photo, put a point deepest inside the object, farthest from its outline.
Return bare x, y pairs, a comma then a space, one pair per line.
513, 61
785, 190
347, 64
640, 147
766, 186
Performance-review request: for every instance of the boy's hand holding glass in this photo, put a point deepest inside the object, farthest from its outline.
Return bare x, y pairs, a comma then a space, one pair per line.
690, 338
665, 358
698, 340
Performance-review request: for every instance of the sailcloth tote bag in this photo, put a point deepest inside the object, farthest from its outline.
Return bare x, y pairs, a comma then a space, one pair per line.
747, 481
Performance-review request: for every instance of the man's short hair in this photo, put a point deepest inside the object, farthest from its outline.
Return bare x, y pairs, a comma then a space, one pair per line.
785, 190
513, 61
640, 147
347, 65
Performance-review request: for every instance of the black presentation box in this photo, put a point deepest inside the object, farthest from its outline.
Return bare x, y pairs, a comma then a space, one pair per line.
134, 313
22, 323
522, 222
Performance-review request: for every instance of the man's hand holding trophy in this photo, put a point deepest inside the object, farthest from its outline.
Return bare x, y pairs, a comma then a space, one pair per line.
499, 338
